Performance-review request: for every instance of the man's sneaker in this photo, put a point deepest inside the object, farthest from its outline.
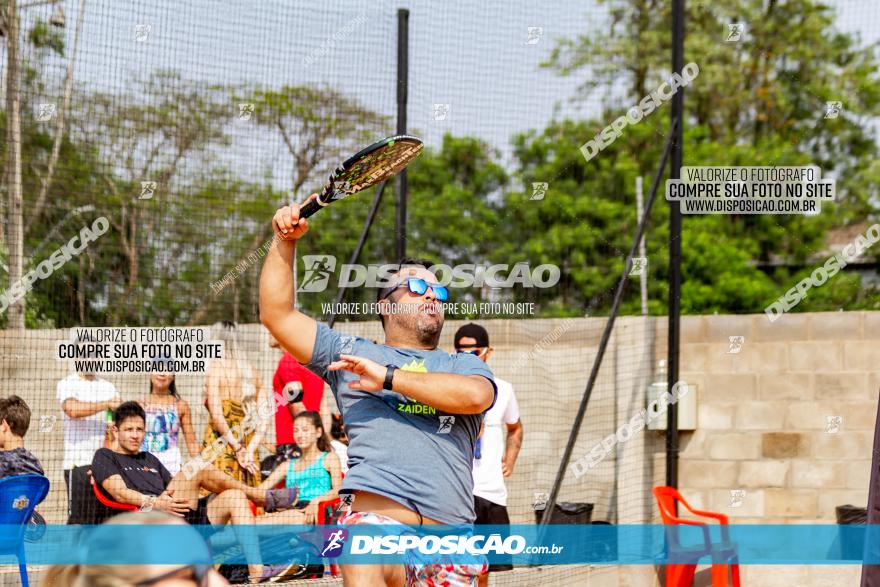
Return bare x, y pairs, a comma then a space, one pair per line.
281, 499
278, 573
293, 571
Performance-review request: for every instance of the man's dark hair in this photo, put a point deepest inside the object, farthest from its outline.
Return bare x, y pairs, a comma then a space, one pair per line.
17, 414
474, 331
337, 429
128, 410
383, 293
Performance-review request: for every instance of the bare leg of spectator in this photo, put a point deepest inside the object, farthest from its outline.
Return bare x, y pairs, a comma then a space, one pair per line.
232, 506
215, 481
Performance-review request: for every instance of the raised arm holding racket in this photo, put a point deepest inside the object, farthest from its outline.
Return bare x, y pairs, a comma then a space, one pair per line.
411, 410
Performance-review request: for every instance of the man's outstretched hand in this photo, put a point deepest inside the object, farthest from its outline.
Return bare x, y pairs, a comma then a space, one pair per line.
371, 373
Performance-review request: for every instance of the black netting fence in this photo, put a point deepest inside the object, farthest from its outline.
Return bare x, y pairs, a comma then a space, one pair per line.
148, 146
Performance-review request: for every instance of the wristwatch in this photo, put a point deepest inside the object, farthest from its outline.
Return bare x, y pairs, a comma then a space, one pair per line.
389, 377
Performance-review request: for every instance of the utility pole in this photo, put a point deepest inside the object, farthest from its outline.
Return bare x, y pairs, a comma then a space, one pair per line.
15, 238
15, 235
674, 333
402, 99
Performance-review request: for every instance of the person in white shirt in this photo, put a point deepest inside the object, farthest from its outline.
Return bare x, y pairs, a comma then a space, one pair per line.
494, 458
85, 399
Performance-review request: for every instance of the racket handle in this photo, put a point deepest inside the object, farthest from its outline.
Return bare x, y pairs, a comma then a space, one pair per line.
310, 208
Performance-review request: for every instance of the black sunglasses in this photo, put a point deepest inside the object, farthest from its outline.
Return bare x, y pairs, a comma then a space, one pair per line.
198, 574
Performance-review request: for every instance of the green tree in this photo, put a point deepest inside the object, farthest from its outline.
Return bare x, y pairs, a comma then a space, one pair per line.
760, 101
42, 144
146, 141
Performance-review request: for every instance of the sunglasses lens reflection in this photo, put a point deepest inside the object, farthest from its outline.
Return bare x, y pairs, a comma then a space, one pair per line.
418, 286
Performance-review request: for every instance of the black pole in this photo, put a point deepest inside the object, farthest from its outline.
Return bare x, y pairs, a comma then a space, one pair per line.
606, 334
357, 250
675, 248
402, 89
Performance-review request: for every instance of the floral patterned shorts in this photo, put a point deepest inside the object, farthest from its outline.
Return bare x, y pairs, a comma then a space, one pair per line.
439, 574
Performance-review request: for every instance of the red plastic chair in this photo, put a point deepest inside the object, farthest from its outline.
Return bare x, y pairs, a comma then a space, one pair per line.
324, 507
115, 505
723, 554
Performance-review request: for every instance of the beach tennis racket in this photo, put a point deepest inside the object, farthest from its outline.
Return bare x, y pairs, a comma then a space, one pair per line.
375, 164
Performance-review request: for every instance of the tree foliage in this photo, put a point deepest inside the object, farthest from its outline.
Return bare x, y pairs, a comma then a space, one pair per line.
760, 101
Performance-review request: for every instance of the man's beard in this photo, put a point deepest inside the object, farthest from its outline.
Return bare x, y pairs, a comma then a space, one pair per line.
426, 330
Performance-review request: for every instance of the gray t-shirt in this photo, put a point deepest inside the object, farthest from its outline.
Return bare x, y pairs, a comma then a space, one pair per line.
411, 453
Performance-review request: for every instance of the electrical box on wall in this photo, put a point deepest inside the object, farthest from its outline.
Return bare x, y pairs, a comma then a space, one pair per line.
657, 404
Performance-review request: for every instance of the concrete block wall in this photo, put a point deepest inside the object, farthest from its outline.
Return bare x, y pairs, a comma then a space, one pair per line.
789, 419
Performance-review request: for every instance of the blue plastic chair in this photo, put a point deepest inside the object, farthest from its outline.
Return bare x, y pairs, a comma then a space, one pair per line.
19, 495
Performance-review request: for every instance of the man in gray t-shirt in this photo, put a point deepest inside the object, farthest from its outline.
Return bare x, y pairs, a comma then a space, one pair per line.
412, 412
408, 451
